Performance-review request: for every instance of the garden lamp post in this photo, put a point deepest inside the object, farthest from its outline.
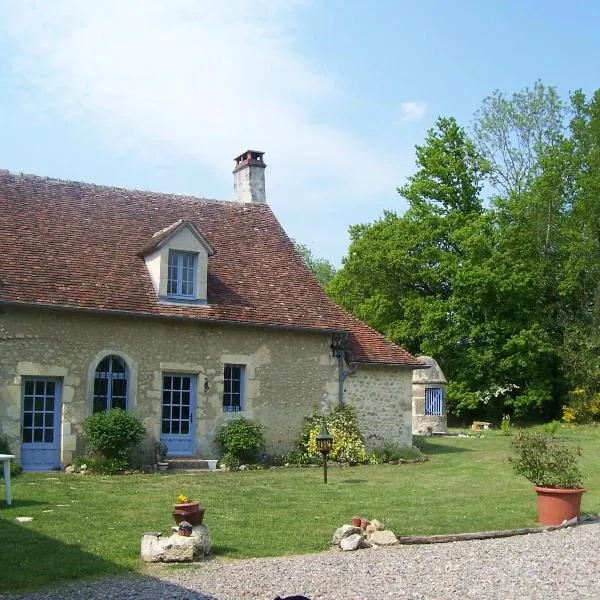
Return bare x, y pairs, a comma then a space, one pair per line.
324, 443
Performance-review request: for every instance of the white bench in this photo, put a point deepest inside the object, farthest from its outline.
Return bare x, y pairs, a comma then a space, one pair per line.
5, 460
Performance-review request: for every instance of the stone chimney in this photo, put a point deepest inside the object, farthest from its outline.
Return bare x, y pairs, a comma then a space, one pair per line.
249, 178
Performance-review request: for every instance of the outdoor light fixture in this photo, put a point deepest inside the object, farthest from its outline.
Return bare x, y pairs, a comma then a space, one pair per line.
337, 345
324, 444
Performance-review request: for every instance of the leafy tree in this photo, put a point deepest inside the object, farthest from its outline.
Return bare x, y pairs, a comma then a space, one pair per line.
512, 134
322, 269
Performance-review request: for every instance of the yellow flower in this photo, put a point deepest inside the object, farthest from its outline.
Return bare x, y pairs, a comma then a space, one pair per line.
183, 499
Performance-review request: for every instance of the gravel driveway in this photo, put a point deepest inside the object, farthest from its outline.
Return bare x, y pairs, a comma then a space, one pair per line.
561, 565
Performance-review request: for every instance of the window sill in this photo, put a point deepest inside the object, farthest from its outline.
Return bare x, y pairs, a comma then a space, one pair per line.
182, 301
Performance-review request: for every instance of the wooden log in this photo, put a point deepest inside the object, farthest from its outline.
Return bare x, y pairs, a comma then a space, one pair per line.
481, 535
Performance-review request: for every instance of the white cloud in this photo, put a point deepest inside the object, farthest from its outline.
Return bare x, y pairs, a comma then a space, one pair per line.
413, 111
202, 79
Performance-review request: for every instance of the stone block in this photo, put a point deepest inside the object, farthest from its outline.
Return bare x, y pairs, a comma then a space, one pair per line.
352, 542
343, 532
383, 538
176, 548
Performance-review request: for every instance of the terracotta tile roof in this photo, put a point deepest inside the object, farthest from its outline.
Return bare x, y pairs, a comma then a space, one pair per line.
77, 245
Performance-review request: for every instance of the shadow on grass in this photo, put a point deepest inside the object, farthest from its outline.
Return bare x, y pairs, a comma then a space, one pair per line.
23, 503
353, 481
435, 448
31, 560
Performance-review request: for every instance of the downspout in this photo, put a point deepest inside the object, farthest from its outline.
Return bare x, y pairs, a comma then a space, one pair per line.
338, 343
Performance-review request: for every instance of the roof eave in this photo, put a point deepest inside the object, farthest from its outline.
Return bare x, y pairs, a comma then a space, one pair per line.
144, 314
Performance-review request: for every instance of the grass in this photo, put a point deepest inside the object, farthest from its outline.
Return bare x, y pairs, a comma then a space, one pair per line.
466, 486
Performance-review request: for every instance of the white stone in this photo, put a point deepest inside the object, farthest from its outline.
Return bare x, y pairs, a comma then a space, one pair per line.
383, 538
176, 548
343, 532
23, 519
352, 542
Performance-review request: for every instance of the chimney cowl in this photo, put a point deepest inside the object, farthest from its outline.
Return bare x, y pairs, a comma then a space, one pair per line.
249, 178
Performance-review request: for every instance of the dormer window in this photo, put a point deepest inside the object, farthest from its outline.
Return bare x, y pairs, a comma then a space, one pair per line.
177, 262
181, 274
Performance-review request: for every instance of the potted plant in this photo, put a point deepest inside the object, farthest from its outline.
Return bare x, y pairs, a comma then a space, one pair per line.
188, 510
160, 453
552, 468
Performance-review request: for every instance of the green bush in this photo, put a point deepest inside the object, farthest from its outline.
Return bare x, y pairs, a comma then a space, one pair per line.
505, 425
15, 467
545, 461
552, 427
348, 442
242, 438
229, 461
112, 434
103, 466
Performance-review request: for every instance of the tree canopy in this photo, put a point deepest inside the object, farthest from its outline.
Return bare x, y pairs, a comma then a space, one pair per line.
503, 290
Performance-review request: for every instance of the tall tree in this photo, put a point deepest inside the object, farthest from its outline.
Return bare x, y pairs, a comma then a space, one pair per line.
580, 282
513, 133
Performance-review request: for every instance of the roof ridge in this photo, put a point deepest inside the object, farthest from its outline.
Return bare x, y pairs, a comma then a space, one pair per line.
114, 188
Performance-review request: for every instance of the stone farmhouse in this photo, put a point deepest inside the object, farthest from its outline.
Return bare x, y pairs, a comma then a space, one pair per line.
186, 310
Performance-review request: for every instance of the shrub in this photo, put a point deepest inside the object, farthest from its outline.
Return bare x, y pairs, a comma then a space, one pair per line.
15, 467
419, 442
545, 461
112, 434
242, 438
348, 443
552, 427
505, 425
229, 461
583, 407
105, 466
160, 451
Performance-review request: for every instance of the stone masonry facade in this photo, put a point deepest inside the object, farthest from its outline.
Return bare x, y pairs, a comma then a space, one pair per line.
288, 373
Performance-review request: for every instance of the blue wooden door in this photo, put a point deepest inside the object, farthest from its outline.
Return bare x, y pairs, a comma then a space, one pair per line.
40, 424
177, 419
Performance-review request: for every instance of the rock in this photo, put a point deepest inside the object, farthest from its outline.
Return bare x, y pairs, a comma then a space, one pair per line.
176, 548
374, 525
343, 532
382, 538
70, 469
352, 542
201, 540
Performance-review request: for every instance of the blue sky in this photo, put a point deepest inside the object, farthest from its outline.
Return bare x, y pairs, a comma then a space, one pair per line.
162, 94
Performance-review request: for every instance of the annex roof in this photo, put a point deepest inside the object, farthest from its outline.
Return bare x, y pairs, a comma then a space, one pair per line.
75, 245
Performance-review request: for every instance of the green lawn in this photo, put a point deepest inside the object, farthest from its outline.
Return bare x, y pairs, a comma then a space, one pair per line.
466, 486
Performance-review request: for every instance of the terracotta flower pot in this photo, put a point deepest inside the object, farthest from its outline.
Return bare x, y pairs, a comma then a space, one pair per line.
188, 511
557, 505
356, 521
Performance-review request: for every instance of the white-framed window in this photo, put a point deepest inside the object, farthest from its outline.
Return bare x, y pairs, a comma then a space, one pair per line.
434, 401
233, 387
110, 384
181, 274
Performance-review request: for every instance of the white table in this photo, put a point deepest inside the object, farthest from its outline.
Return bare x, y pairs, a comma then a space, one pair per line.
5, 460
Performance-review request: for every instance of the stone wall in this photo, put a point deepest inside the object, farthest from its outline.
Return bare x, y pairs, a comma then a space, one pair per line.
289, 373
382, 396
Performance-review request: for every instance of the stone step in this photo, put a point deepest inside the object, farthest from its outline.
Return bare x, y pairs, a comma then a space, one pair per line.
188, 464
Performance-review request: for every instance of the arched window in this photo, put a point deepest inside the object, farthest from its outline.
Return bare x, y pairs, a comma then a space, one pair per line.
110, 384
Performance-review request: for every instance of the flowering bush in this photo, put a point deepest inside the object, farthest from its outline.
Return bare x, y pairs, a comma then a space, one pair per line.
583, 407
348, 443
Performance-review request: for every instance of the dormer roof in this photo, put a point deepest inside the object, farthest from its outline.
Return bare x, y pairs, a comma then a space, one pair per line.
162, 237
